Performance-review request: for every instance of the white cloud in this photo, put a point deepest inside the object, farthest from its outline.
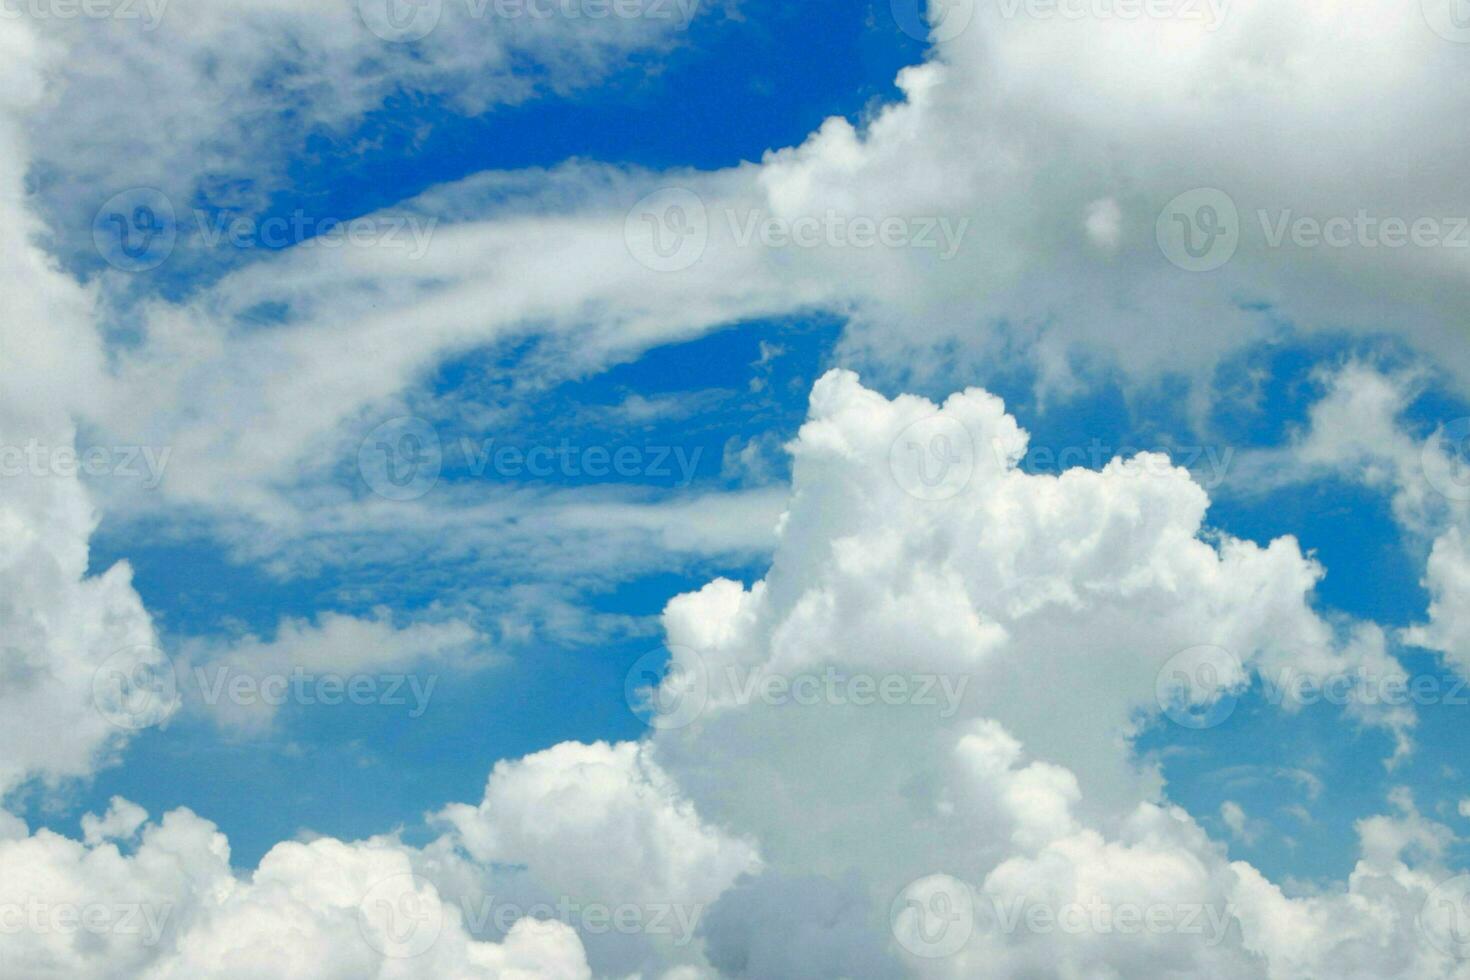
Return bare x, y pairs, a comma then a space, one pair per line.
242, 684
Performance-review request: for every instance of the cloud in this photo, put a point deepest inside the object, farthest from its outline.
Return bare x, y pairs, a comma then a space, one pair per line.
242, 684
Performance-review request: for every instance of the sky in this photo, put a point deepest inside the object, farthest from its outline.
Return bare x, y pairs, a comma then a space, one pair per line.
653, 489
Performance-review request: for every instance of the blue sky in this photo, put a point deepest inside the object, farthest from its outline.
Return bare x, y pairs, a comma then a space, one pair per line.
1302, 388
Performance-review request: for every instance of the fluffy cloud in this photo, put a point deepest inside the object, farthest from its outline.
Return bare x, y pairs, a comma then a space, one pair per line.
166, 905
845, 812
62, 626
